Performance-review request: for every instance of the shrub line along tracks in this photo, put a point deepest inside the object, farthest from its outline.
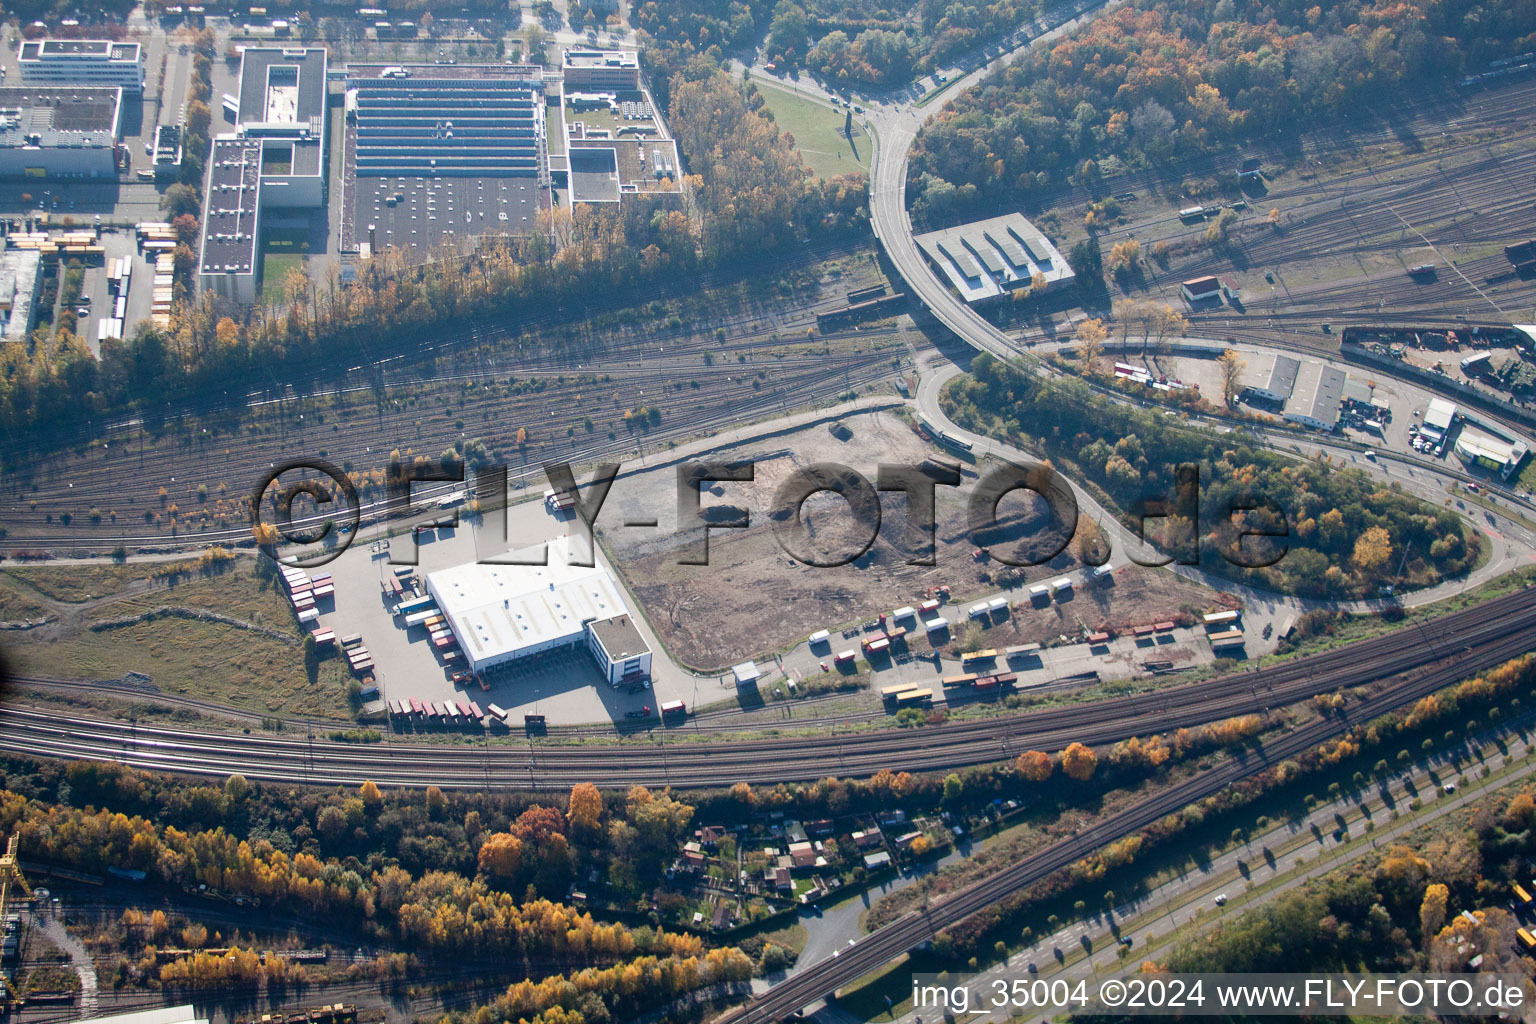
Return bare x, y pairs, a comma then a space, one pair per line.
1475, 637
885, 944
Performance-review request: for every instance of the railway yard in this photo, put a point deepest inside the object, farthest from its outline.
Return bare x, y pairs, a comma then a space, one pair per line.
1446, 183
144, 623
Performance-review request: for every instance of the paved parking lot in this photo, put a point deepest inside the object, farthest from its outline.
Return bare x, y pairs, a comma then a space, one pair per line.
565, 686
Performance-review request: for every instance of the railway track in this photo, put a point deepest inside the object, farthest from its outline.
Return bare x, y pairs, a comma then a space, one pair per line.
885, 944
685, 760
115, 479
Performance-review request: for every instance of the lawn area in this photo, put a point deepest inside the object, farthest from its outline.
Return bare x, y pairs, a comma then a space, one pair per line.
274, 271
818, 132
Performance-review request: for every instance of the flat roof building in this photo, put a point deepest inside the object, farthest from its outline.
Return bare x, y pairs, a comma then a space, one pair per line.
438, 153
465, 120
1438, 419
59, 131
275, 157
21, 283
1502, 457
501, 613
600, 70
168, 150
988, 259
92, 62
619, 649
1317, 405
232, 220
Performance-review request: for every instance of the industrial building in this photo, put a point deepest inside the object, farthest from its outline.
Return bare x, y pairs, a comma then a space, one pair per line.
1281, 382
1438, 419
168, 151
441, 152
21, 283
989, 259
1501, 457
1317, 402
504, 612
619, 649
600, 70
59, 131
232, 221
102, 63
275, 158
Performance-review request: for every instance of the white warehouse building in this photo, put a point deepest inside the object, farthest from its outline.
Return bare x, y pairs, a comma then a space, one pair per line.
501, 613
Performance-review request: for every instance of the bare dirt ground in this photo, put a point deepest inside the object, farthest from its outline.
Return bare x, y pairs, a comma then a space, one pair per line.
754, 597
1140, 596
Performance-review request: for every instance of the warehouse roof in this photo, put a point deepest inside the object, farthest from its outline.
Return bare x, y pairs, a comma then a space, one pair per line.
59, 116
1440, 414
1477, 446
1282, 378
1322, 399
497, 609
988, 258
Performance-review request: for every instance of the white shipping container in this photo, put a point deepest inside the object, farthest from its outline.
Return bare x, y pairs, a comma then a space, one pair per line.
936, 623
997, 604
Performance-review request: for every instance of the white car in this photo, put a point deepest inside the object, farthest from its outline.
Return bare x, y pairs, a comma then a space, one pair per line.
1221, 900
1449, 787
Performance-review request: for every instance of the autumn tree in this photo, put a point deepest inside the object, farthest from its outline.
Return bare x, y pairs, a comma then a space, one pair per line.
1124, 257
1091, 335
1079, 762
1231, 366
1034, 765
1432, 910
1372, 549
372, 798
584, 812
501, 855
